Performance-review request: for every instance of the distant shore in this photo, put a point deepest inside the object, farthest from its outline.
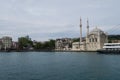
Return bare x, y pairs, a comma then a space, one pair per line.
44, 50
104, 52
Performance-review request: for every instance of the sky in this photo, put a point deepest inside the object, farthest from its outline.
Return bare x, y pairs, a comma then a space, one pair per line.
50, 19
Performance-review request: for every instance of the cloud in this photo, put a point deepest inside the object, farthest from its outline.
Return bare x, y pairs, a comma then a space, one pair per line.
45, 19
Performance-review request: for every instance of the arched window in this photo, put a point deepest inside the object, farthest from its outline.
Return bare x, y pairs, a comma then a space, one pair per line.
89, 40
95, 39
92, 39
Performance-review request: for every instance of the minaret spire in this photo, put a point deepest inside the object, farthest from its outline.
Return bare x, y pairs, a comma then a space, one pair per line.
87, 27
80, 30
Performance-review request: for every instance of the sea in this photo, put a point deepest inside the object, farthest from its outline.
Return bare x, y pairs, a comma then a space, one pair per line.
59, 66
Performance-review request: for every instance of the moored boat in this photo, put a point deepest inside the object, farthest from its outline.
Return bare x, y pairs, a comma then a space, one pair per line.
110, 48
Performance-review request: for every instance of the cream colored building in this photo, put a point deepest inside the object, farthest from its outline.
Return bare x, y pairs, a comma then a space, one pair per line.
77, 46
7, 42
95, 39
63, 44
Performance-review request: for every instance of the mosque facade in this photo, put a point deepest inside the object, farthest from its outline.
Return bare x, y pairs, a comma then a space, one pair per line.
94, 39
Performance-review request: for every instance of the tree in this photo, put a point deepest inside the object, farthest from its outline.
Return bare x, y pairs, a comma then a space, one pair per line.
52, 44
24, 43
38, 45
76, 39
46, 45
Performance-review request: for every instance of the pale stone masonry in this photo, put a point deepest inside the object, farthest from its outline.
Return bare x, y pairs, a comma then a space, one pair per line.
63, 44
96, 39
6, 42
93, 42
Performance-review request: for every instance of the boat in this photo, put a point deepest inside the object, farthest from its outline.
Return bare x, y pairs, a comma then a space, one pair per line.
110, 48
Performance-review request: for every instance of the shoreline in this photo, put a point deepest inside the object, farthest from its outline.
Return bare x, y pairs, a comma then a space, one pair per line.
8, 51
45, 50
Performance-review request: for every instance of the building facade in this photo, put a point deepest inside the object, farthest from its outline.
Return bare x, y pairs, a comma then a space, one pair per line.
63, 44
1, 44
95, 39
7, 42
14, 45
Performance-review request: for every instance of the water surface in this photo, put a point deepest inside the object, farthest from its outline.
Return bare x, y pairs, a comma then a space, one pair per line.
59, 66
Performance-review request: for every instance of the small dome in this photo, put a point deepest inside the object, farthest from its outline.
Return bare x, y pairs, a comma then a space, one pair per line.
96, 31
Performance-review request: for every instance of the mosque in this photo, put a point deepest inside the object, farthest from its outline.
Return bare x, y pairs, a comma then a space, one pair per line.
93, 41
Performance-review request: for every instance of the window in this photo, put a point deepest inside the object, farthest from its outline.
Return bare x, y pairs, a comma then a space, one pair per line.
92, 39
95, 39
89, 40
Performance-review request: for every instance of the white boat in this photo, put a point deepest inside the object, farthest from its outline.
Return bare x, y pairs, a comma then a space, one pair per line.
110, 48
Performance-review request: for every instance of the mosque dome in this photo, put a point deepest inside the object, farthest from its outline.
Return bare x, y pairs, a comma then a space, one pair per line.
96, 31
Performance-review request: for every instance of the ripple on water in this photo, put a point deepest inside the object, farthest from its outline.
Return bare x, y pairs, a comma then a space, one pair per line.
59, 66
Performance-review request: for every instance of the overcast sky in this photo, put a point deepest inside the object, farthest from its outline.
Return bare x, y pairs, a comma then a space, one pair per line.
51, 19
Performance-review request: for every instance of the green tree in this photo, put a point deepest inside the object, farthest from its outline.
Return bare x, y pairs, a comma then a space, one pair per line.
76, 39
52, 44
24, 42
38, 45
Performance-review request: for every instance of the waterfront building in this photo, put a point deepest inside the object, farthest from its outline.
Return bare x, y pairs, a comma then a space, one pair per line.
63, 44
1, 44
95, 39
14, 45
7, 42
76, 45
79, 45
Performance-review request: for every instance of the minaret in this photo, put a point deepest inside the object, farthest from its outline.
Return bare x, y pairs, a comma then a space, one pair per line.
87, 27
87, 39
80, 30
